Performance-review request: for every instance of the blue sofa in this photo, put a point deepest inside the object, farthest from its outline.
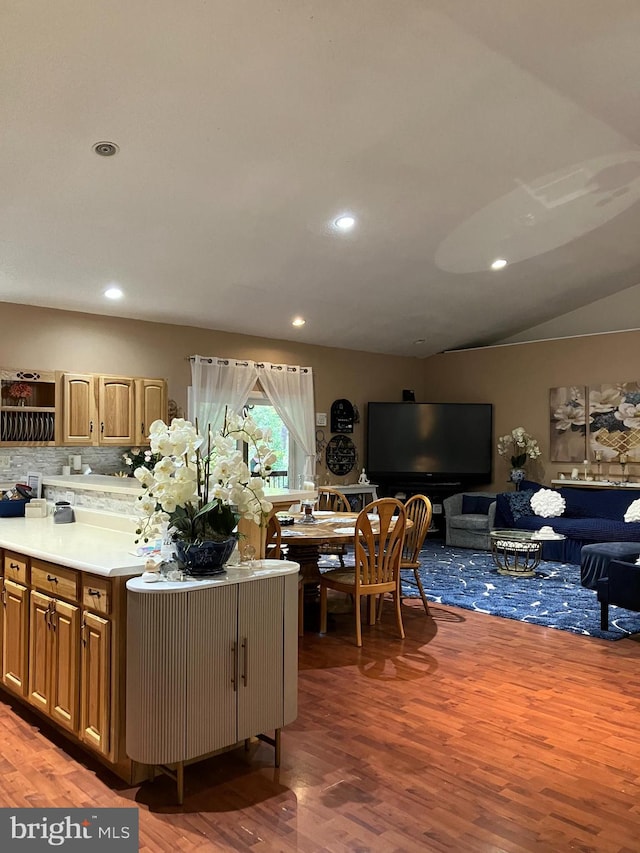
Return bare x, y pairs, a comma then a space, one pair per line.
591, 515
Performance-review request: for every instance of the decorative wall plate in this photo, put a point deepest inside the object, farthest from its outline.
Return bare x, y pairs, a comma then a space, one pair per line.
341, 455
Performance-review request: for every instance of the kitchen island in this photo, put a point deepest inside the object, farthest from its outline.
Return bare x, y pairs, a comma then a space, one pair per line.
64, 625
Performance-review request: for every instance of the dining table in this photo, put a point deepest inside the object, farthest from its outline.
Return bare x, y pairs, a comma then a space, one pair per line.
304, 539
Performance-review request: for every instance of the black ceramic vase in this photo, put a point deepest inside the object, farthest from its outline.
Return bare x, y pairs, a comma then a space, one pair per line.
205, 559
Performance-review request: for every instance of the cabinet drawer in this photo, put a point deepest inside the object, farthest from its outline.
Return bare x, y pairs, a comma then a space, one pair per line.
96, 594
56, 580
16, 567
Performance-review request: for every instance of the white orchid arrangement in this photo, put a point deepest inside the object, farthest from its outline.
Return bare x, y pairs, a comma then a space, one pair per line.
520, 445
198, 490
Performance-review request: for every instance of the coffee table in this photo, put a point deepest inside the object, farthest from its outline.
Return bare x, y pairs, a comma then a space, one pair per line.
516, 552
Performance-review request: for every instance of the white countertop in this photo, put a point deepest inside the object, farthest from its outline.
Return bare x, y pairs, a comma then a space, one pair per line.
131, 486
88, 547
95, 483
232, 575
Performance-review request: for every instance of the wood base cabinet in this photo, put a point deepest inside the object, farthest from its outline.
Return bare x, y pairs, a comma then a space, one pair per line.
95, 713
54, 654
63, 648
15, 621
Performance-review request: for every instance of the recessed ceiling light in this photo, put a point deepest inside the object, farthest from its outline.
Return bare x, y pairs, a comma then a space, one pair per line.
499, 264
106, 149
298, 321
419, 341
113, 292
345, 222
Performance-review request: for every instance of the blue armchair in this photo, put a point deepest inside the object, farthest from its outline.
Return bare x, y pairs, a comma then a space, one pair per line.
621, 587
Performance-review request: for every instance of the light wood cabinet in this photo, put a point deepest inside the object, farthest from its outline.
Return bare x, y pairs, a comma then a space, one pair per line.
54, 654
30, 419
95, 678
110, 410
62, 635
79, 409
54, 643
116, 410
15, 605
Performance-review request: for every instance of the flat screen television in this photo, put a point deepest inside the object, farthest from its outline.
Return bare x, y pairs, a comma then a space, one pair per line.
414, 443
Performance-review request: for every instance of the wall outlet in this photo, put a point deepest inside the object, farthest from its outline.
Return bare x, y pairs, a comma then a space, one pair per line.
321, 419
70, 497
5, 461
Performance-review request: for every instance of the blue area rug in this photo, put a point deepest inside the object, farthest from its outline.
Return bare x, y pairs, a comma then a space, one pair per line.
554, 598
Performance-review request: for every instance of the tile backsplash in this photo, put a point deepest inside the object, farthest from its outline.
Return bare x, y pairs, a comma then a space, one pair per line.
48, 461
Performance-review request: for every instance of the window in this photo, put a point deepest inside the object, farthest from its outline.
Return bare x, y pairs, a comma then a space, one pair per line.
266, 417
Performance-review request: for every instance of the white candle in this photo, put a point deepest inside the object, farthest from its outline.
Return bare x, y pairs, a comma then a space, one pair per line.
309, 486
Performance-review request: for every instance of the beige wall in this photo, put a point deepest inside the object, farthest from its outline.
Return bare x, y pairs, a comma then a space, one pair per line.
517, 379
44, 339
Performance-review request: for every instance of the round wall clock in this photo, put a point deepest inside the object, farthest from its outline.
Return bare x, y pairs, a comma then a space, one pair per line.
341, 455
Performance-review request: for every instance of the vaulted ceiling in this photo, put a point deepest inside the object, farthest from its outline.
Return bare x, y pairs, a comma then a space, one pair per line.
454, 132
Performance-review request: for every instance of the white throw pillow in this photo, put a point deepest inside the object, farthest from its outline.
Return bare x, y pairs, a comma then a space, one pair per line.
633, 513
548, 503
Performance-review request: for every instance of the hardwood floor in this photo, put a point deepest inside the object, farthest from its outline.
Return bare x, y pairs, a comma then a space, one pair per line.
473, 734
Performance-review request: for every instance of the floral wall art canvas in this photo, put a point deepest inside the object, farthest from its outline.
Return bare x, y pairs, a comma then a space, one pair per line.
568, 438
614, 422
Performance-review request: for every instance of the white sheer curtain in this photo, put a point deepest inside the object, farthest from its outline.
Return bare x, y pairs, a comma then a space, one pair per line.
221, 382
218, 383
290, 390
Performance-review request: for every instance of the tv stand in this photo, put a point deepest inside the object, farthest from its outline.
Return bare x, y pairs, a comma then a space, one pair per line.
435, 491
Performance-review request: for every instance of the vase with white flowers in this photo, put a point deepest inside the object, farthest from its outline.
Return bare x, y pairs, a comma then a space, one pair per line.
200, 487
519, 446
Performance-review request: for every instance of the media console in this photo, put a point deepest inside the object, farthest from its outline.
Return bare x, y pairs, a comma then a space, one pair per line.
436, 492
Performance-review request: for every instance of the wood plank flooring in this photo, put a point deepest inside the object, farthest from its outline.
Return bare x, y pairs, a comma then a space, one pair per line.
473, 734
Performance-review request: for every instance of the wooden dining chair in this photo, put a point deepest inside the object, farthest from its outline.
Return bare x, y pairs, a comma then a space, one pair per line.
333, 500
419, 511
377, 564
273, 539
273, 550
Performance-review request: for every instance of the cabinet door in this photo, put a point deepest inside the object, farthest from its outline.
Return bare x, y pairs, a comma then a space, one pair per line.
116, 404
151, 405
15, 604
79, 414
95, 680
40, 629
261, 661
65, 665
212, 670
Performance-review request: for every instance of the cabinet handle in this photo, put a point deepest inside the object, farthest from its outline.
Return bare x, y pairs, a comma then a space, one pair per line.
52, 579
101, 426
234, 677
90, 427
51, 609
142, 429
95, 592
83, 633
245, 671
14, 566
4, 597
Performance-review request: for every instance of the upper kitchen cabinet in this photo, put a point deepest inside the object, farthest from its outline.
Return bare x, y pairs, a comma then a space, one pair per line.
109, 410
151, 405
28, 407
